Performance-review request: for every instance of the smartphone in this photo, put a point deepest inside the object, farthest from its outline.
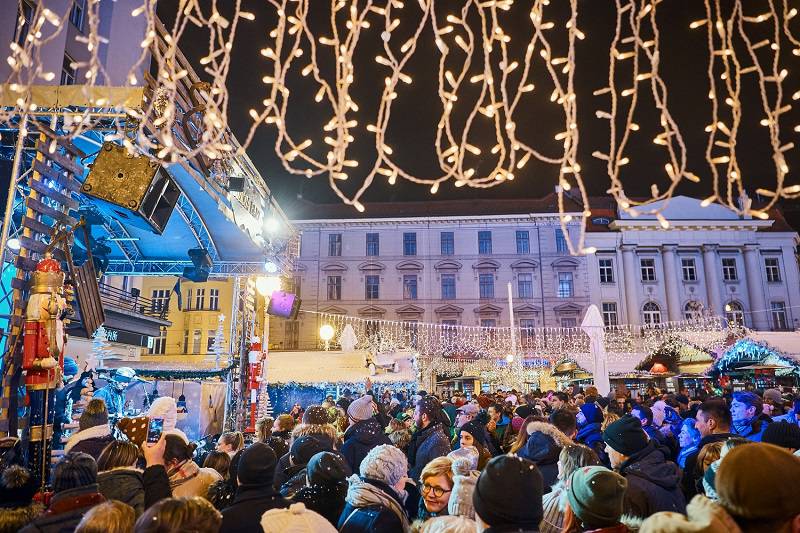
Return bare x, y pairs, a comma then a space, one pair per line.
154, 430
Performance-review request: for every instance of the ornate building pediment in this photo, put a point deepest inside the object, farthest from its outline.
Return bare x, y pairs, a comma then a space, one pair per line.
486, 264
527, 309
524, 264
488, 310
372, 311
334, 310
410, 311
334, 267
565, 263
409, 266
371, 266
448, 309
447, 265
568, 309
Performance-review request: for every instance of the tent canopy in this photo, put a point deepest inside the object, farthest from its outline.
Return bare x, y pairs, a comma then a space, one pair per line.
332, 367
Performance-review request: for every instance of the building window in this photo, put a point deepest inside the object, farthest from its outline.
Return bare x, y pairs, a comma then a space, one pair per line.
610, 314
648, 268
729, 269
525, 285
448, 286
409, 244
484, 242
447, 242
78, 13
565, 285
526, 327
652, 314
773, 269
689, 269
160, 300
561, 241
199, 300
24, 18
373, 244
411, 328
189, 299
196, 337
486, 285
569, 322
779, 321
523, 242
158, 344
488, 323
291, 334
335, 245
213, 299
68, 73
410, 287
334, 287
210, 340
449, 329
186, 341
606, 271
372, 287
693, 310
734, 313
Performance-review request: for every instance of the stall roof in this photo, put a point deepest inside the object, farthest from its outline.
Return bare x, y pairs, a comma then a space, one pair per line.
331, 367
787, 342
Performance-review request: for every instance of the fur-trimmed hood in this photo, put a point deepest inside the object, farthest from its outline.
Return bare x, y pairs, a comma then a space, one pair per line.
93, 432
551, 431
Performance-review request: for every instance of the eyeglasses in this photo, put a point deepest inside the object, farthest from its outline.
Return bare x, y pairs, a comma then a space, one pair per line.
437, 491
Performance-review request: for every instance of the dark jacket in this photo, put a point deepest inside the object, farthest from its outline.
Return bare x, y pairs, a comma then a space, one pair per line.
362, 514
693, 476
279, 442
426, 445
653, 483
284, 470
66, 510
248, 506
360, 438
125, 485
12, 518
296, 480
542, 450
327, 500
591, 435
156, 485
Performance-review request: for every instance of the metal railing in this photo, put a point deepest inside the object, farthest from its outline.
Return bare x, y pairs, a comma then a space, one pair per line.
116, 298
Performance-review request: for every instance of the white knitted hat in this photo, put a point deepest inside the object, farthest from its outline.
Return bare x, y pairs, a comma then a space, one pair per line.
448, 524
385, 463
295, 519
361, 409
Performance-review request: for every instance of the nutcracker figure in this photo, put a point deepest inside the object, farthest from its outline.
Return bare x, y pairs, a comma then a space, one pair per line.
43, 358
255, 358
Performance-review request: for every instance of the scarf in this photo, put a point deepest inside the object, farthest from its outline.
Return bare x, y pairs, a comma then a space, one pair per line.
364, 494
185, 471
90, 433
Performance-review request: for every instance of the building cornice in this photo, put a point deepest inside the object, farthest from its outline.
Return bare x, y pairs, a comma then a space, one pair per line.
693, 225
522, 217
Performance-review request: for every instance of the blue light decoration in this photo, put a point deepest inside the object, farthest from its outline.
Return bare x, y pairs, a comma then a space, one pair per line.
747, 352
282, 396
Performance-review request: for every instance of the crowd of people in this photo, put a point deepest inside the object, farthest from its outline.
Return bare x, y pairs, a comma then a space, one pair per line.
720, 461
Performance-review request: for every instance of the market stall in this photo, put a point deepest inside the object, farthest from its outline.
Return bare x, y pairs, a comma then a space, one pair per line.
755, 361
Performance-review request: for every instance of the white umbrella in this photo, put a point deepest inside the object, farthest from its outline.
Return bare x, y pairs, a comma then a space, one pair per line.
593, 326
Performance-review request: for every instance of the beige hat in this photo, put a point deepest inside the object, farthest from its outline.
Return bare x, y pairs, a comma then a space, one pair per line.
295, 519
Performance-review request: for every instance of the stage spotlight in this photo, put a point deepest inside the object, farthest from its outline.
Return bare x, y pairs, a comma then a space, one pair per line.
272, 224
13, 244
270, 267
266, 285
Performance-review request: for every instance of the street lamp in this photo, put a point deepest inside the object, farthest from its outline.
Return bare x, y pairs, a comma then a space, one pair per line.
266, 285
326, 334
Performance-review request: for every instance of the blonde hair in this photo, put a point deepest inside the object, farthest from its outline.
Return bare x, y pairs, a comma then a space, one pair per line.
189, 515
264, 428
709, 453
437, 467
108, 517
234, 439
608, 419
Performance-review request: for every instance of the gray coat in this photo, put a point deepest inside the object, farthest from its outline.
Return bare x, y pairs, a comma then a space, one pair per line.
125, 485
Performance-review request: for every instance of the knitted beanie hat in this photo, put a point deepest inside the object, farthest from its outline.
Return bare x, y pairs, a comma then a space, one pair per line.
95, 414
626, 435
448, 524
464, 480
256, 465
17, 487
592, 412
595, 495
361, 409
774, 395
75, 469
782, 434
304, 448
759, 481
295, 519
316, 414
509, 493
468, 456
385, 463
476, 429
326, 468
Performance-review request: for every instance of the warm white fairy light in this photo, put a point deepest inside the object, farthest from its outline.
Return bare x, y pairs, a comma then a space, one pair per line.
473, 55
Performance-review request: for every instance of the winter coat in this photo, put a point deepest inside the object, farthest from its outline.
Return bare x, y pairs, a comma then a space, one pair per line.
327, 500
66, 510
360, 438
125, 485
702, 514
692, 472
753, 431
425, 446
301, 430
684, 453
653, 482
372, 506
279, 442
91, 440
591, 436
191, 480
156, 485
249, 504
221, 493
12, 519
502, 436
543, 447
297, 480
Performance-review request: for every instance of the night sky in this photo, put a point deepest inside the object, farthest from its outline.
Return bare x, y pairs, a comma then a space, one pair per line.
411, 133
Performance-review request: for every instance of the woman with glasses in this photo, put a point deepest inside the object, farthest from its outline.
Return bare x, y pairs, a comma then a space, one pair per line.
436, 484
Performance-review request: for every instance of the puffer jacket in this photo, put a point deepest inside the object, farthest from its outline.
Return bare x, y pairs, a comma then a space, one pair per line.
590, 435
425, 446
702, 514
653, 483
91, 440
360, 438
372, 506
327, 500
66, 510
125, 485
544, 445
297, 478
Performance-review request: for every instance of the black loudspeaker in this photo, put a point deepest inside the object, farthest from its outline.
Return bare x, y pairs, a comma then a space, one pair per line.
133, 189
235, 184
135, 292
284, 304
202, 265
